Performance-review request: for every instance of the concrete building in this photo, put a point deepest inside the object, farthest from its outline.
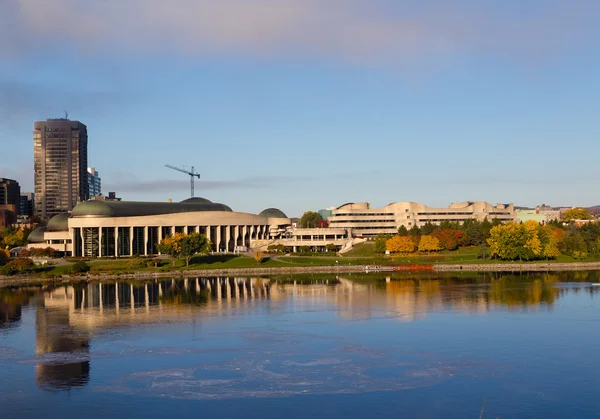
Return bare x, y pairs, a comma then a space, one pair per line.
94, 182
364, 221
27, 204
10, 201
121, 228
60, 157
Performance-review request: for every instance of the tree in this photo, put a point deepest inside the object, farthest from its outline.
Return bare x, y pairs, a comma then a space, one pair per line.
448, 238
330, 247
380, 243
414, 231
4, 255
13, 238
576, 214
428, 228
184, 246
400, 244
259, 257
402, 231
310, 219
513, 241
428, 244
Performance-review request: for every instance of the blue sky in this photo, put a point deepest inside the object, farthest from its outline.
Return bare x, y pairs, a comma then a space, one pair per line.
303, 104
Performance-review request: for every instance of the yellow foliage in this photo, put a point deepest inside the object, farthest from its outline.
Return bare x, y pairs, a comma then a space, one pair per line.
400, 244
429, 244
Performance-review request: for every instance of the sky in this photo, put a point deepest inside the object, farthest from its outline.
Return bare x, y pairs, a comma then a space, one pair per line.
306, 104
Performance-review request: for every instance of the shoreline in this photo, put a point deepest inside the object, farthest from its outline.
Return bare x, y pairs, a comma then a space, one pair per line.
12, 281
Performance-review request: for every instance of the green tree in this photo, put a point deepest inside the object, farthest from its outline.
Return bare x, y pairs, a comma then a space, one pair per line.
576, 214
428, 228
414, 231
310, 219
330, 247
380, 240
402, 231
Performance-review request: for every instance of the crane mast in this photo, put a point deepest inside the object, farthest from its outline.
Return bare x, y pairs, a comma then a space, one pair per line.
191, 173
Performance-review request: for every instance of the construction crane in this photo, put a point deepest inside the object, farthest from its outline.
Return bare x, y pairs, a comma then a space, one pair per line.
187, 172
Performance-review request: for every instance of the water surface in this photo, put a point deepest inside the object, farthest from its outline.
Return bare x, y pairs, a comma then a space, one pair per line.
418, 346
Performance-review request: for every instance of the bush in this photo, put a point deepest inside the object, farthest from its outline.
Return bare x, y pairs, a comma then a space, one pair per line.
7, 270
21, 264
79, 267
139, 263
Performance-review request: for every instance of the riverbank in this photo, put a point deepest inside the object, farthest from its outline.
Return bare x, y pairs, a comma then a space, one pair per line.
12, 281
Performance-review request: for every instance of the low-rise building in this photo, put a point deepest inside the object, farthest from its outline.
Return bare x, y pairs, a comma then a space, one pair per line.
364, 221
123, 228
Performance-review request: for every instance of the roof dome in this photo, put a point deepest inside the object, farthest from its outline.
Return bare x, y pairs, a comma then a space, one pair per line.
59, 222
93, 209
196, 200
37, 235
272, 213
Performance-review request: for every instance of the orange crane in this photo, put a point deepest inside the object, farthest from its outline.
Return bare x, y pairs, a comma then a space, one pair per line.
187, 172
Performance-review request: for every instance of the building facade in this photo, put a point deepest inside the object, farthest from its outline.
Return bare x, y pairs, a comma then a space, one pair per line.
60, 154
27, 204
10, 201
122, 228
364, 221
94, 182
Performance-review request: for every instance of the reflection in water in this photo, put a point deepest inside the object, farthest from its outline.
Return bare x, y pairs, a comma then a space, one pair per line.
67, 317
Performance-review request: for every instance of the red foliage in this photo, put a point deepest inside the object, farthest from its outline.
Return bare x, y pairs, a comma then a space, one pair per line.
449, 238
323, 224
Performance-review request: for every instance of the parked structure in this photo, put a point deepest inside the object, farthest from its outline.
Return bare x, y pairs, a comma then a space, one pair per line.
10, 201
121, 228
60, 166
365, 221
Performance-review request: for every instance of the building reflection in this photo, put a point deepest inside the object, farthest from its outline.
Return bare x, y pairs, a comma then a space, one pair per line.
68, 317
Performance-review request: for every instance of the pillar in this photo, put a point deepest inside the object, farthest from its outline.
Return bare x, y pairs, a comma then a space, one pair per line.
208, 233
130, 241
160, 235
117, 242
99, 242
219, 238
227, 237
145, 240
244, 232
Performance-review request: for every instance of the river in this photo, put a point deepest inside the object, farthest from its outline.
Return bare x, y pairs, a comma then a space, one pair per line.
320, 346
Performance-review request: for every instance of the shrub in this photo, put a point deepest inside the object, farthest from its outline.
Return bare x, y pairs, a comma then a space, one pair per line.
21, 264
79, 267
139, 263
7, 270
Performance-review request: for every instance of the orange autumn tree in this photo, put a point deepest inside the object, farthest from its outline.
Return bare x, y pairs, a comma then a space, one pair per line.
400, 244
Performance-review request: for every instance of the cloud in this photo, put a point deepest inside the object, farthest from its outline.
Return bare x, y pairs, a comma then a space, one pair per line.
257, 182
362, 31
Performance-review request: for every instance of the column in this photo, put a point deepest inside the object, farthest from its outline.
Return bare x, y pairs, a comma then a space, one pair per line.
236, 235
244, 232
117, 242
160, 236
130, 241
99, 242
208, 233
186, 230
227, 237
145, 240
218, 238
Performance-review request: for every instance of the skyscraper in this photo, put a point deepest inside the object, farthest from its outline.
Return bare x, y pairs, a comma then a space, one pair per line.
94, 182
10, 196
60, 165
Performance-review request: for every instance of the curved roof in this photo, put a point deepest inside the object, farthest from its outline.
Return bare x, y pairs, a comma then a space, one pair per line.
272, 213
59, 222
137, 209
196, 200
37, 235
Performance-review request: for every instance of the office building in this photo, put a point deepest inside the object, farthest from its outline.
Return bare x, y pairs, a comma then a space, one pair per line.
365, 221
60, 166
94, 182
26, 204
10, 197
